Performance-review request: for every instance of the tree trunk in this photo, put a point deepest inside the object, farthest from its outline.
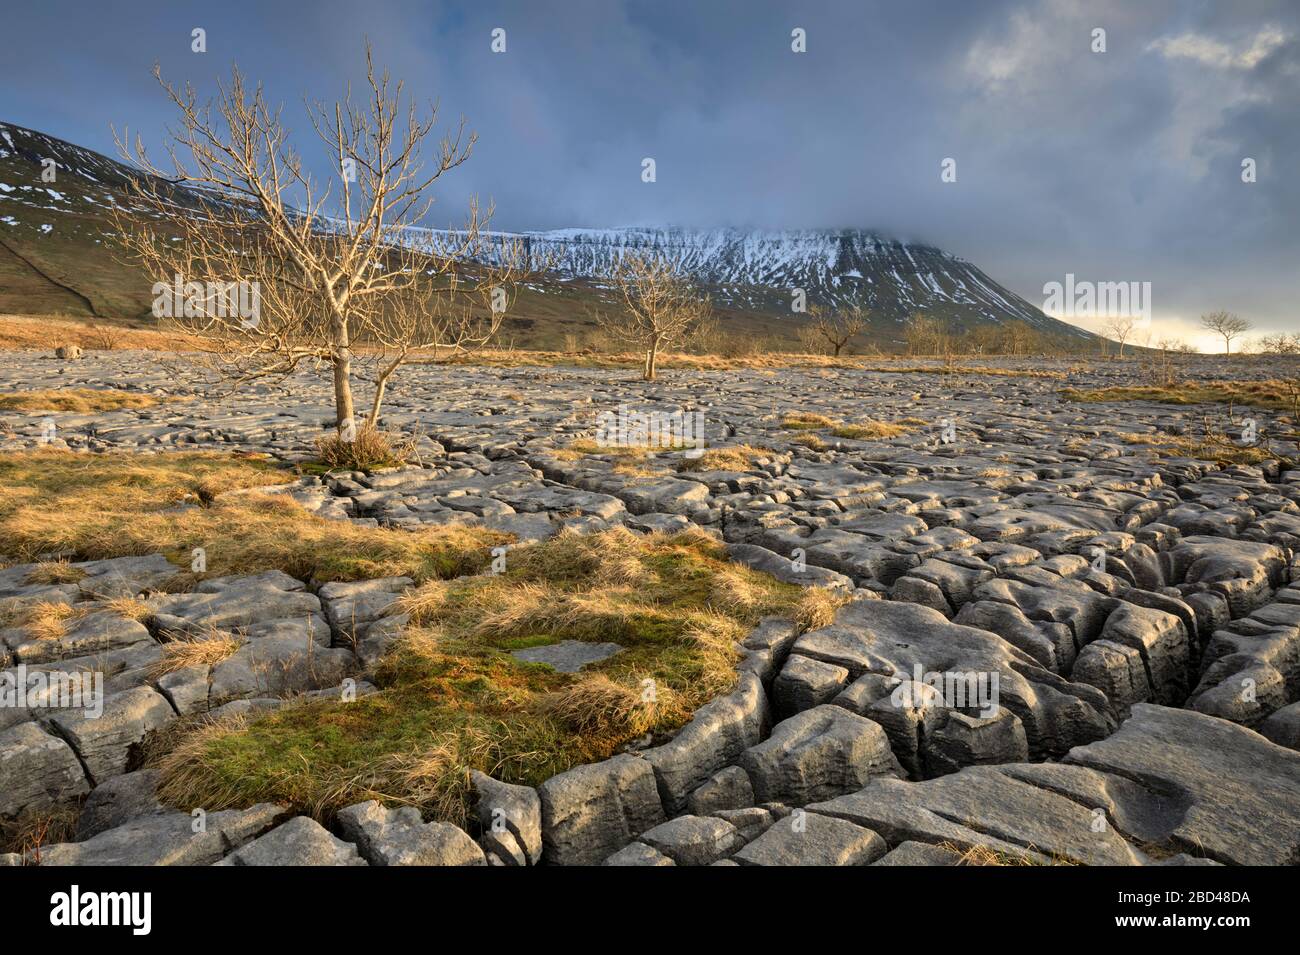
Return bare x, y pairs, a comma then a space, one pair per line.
838, 346
342, 362
342, 390
381, 385
651, 359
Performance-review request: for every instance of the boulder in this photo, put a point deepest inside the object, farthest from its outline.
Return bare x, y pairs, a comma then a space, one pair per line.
638, 853
302, 841
718, 733
401, 837
728, 788
108, 745
118, 801
808, 838
510, 817
591, 811
694, 840
818, 754
37, 771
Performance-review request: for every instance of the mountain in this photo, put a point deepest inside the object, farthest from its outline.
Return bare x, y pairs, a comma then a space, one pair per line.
57, 257
760, 270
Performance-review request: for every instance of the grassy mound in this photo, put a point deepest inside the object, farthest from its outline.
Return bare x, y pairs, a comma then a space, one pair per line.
87, 507
1269, 395
74, 399
868, 429
453, 699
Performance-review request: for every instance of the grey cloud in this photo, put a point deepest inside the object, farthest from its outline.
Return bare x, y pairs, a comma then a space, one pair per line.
1115, 166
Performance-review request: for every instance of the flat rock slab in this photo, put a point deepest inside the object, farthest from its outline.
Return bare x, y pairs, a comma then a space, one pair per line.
567, 656
806, 838
1242, 792
167, 840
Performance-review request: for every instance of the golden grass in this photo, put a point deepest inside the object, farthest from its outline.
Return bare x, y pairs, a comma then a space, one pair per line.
816, 608
128, 607
986, 856
810, 441
110, 505
753, 362
453, 699
44, 332
598, 705
806, 421
1270, 395
206, 649
369, 448
870, 430
74, 399
737, 457
867, 429
45, 620
1211, 447
54, 572
32, 332
629, 460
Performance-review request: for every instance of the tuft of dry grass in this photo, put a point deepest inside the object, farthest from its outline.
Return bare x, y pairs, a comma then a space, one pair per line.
598, 705
1211, 446
45, 620
806, 421
54, 572
868, 430
1270, 395
984, 855
810, 441
191, 650
369, 448
31, 832
81, 400
128, 607
817, 606
738, 457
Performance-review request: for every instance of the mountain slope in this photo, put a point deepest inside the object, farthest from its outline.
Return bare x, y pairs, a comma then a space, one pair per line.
760, 270
57, 256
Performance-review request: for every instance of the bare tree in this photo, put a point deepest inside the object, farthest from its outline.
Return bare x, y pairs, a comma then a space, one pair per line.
337, 270
660, 307
835, 330
925, 335
1227, 325
1280, 344
1120, 327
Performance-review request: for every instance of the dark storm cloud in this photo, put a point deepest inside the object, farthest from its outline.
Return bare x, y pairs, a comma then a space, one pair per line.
1116, 166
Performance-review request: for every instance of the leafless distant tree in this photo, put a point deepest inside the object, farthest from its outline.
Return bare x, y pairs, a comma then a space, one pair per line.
1120, 328
339, 273
1280, 344
659, 307
925, 335
1227, 325
834, 331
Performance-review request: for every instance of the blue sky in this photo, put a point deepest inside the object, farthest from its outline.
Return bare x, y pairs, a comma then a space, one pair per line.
1115, 166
